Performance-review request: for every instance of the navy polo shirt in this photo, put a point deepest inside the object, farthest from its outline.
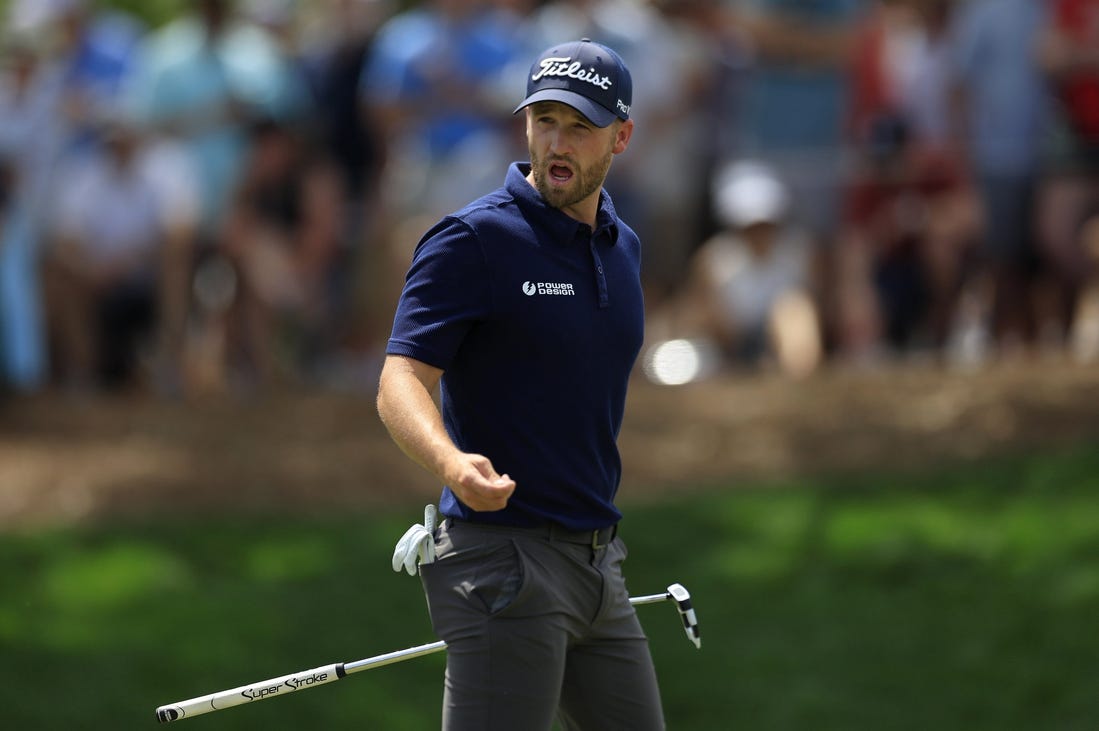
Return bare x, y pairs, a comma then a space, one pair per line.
536, 321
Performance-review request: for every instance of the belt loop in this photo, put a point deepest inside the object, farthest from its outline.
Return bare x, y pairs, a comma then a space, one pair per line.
612, 531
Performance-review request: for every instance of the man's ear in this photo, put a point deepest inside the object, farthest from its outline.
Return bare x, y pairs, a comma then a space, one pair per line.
622, 136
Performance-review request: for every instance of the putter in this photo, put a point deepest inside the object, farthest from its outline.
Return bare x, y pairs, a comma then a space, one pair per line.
306, 679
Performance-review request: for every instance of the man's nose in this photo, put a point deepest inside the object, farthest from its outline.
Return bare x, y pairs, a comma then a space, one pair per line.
559, 142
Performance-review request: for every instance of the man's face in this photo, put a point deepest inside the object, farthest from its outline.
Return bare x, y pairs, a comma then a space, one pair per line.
569, 155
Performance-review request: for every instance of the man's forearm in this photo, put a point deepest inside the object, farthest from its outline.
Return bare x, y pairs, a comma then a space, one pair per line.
409, 412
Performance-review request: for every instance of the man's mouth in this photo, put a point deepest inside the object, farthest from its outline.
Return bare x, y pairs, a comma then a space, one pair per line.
560, 173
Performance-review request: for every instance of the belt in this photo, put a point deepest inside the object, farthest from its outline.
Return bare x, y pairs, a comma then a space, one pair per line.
599, 538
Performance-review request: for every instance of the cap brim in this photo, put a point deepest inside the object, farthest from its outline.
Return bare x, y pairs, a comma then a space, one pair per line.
598, 115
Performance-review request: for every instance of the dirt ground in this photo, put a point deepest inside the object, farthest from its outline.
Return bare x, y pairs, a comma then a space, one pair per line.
66, 460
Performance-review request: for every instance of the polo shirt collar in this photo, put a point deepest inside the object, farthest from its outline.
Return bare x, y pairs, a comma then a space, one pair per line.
562, 226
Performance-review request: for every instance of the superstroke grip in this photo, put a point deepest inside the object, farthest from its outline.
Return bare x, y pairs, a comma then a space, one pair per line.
252, 692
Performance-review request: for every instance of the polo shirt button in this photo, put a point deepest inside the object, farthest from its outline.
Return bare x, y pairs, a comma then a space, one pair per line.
599, 269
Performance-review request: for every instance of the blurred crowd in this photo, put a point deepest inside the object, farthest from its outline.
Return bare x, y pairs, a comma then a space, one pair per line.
228, 201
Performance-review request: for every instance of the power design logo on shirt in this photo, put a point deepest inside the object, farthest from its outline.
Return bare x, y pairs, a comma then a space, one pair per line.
553, 288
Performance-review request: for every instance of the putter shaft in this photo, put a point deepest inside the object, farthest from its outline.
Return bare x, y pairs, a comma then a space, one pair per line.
330, 673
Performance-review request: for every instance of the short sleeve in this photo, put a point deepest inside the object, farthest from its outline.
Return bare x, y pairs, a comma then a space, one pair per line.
446, 292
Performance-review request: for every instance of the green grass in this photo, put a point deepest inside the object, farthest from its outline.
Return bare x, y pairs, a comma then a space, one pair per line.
965, 597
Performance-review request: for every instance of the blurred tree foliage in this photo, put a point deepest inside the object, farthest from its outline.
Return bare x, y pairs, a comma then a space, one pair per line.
152, 12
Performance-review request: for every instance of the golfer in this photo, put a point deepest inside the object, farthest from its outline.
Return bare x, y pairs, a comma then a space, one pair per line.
525, 310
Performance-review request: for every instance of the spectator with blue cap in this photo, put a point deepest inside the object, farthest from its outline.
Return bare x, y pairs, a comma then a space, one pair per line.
524, 310
429, 88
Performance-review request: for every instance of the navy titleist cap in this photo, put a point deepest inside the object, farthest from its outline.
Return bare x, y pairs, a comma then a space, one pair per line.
587, 76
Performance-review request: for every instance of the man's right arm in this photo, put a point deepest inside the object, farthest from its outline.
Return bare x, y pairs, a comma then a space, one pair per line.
407, 409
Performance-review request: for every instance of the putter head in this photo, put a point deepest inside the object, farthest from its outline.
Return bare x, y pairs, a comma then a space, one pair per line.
682, 599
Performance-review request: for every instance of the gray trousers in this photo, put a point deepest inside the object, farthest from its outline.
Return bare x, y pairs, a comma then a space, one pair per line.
537, 627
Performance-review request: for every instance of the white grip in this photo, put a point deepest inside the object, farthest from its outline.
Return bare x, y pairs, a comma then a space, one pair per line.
253, 692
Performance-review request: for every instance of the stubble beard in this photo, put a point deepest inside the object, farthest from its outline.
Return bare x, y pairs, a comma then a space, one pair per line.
586, 180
